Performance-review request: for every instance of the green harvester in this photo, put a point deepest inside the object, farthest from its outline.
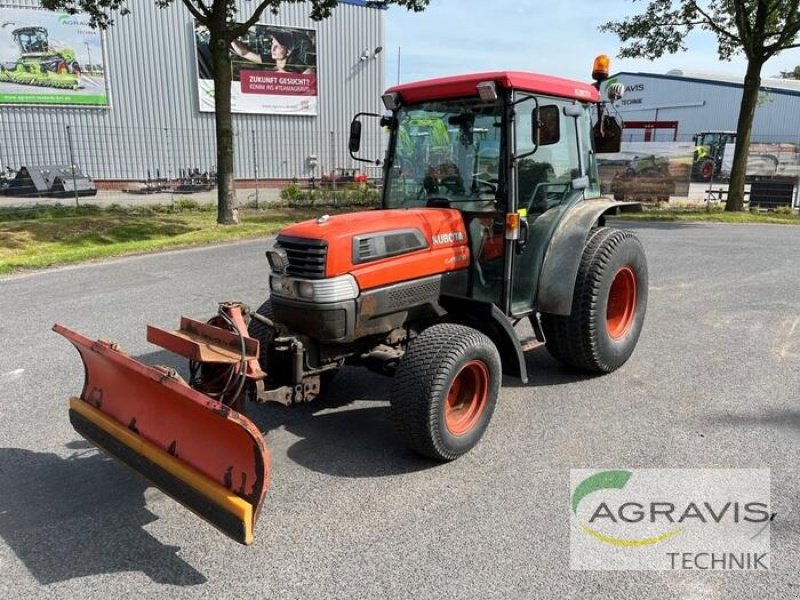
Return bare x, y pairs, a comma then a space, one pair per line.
40, 65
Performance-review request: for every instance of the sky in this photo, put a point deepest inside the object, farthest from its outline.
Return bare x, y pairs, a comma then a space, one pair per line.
548, 37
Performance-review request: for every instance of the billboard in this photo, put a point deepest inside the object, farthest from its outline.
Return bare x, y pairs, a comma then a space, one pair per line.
50, 58
274, 71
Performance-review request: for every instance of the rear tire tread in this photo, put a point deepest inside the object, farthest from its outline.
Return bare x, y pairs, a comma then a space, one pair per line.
574, 339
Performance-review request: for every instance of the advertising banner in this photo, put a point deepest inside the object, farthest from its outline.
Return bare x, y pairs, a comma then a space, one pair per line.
50, 58
274, 71
646, 171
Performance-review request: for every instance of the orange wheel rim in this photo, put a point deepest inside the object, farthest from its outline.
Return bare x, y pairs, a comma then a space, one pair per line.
467, 397
621, 303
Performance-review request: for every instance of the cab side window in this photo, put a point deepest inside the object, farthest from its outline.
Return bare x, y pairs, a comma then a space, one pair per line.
544, 178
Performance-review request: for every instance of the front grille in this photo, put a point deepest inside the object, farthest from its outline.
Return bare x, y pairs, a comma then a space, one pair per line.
306, 257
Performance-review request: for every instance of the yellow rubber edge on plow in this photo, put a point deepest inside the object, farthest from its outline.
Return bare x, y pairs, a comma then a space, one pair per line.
219, 495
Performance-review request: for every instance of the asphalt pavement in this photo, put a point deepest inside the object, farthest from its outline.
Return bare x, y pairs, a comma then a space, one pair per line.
351, 513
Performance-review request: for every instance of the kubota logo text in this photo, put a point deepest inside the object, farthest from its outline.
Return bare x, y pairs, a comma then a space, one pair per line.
448, 238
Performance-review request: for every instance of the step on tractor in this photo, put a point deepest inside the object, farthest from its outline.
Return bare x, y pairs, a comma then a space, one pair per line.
39, 63
496, 220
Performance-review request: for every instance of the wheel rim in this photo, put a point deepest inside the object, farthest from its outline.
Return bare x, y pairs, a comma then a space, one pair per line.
621, 303
467, 397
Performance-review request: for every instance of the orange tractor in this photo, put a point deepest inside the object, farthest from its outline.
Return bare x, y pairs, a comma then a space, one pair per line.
494, 220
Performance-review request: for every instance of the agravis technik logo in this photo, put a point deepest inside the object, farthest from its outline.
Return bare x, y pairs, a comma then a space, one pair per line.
704, 519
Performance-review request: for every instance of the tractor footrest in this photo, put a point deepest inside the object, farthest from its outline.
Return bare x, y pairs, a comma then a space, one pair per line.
530, 344
202, 342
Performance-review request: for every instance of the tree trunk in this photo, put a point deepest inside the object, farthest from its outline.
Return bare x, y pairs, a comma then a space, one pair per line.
744, 129
227, 210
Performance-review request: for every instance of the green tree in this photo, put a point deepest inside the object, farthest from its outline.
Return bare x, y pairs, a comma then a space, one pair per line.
225, 25
793, 74
758, 29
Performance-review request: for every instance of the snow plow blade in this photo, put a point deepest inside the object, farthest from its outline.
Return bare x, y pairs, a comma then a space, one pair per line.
208, 457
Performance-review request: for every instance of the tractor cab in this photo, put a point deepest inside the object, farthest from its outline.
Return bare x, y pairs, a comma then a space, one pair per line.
512, 151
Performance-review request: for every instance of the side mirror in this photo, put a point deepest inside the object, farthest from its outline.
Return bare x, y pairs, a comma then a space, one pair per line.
355, 136
354, 143
546, 123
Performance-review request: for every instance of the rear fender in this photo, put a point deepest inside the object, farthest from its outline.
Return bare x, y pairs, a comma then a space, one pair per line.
563, 257
205, 455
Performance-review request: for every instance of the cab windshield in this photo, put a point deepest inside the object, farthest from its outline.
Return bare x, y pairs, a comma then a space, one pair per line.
447, 153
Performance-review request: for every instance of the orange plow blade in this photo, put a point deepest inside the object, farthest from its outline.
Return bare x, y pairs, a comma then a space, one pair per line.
205, 455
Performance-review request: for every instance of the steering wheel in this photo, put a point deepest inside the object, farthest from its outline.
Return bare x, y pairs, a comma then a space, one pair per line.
484, 185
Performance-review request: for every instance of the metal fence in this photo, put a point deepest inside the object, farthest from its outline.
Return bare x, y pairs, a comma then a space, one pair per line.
116, 165
128, 165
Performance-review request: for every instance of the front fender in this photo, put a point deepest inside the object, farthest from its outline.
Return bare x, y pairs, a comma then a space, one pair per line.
563, 257
487, 318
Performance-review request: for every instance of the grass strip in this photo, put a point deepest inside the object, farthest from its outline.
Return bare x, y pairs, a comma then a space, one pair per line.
710, 216
62, 235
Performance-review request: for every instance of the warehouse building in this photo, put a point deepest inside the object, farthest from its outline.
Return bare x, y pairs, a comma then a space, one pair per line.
136, 102
679, 104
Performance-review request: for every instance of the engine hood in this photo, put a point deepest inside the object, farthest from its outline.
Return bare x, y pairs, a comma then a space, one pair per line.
434, 241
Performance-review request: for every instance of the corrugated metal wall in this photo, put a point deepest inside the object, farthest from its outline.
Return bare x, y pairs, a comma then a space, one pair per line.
154, 123
705, 105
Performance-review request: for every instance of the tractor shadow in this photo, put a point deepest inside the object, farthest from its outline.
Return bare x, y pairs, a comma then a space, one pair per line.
347, 431
546, 371
79, 516
779, 419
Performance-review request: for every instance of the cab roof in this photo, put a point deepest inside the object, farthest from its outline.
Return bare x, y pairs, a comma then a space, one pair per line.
464, 85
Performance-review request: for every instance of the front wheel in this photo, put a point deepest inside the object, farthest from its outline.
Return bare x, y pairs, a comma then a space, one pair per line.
445, 390
608, 305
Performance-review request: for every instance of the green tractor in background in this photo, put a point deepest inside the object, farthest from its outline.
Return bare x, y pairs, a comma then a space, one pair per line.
41, 65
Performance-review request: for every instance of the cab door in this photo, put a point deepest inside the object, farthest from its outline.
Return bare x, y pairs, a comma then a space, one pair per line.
545, 187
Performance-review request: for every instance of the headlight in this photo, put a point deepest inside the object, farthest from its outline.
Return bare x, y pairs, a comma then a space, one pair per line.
278, 260
335, 289
305, 289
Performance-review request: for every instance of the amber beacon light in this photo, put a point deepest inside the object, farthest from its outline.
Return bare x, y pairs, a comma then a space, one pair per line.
600, 68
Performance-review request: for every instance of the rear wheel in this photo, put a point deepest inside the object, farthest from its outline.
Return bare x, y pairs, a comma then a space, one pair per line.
608, 305
703, 170
445, 390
